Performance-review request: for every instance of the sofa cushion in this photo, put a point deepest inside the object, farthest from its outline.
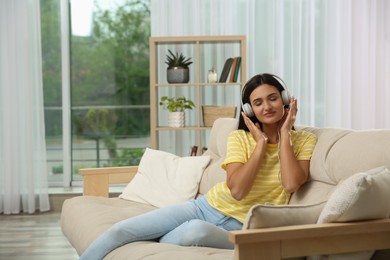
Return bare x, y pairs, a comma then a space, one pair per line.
217, 152
84, 218
148, 250
359, 151
340, 153
362, 196
312, 192
164, 178
268, 215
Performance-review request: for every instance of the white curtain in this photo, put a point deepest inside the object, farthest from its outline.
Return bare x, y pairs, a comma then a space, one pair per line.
23, 179
334, 55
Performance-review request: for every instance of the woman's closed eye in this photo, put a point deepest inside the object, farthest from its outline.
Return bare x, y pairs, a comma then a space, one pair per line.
259, 102
273, 98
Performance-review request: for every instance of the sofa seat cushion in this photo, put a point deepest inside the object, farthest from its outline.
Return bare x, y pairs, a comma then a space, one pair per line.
147, 250
84, 218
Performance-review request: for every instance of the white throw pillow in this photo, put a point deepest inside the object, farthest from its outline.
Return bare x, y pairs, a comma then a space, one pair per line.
362, 196
164, 178
268, 215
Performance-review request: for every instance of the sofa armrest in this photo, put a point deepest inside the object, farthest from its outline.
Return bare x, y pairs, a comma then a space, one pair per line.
313, 239
98, 180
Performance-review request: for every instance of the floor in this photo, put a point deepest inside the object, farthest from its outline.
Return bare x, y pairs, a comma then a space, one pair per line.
34, 237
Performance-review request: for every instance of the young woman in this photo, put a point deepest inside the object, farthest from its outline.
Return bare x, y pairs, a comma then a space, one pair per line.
266, 161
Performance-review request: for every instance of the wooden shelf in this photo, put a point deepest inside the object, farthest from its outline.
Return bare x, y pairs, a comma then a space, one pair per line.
198, 47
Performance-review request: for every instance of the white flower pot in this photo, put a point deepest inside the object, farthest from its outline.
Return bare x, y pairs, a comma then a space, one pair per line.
176, 119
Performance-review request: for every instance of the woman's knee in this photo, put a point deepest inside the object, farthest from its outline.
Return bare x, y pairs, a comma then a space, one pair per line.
196, 232
116, 232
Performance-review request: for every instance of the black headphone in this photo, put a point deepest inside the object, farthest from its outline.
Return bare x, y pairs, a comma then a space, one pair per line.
247, 108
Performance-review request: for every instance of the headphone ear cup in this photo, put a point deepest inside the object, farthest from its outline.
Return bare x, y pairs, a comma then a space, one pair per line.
247, 110
286, 97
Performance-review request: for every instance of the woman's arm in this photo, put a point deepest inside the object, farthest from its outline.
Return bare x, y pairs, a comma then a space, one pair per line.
293, 172
241, 176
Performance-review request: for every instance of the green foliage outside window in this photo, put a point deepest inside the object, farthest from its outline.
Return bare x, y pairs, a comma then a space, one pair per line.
110, 67
109, 75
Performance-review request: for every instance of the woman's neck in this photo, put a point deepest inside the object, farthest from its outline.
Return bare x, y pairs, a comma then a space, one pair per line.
272, 132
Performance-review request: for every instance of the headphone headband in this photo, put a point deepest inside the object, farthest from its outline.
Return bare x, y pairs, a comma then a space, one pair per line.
281, 82
247, 108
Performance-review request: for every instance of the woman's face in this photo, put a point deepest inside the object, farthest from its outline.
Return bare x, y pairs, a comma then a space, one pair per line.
267, 104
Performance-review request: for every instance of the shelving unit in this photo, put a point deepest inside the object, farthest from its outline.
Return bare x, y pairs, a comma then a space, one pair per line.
206, 52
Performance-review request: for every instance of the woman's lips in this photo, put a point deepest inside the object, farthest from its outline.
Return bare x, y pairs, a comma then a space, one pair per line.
269, 114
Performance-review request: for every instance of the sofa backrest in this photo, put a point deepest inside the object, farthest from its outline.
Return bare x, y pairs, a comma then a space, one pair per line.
217, 151
339, 153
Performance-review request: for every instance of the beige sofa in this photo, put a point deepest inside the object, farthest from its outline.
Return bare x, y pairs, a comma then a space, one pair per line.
339, 153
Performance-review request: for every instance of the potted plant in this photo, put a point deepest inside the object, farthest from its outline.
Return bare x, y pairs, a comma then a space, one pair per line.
177, 71
176, 107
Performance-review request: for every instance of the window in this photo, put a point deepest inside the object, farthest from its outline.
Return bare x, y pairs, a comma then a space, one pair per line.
109, 85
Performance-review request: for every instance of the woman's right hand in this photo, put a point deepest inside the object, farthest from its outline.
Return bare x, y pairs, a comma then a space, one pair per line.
255, 129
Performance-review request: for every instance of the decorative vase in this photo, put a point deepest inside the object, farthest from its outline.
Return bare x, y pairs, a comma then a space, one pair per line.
212, 76
178, 75
176, 119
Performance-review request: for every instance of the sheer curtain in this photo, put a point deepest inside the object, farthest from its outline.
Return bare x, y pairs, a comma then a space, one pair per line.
334, 55
23, 180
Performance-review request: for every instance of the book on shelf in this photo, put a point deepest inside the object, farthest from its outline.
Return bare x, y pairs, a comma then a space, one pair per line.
237, 69
233, 70
226, 70
194, 150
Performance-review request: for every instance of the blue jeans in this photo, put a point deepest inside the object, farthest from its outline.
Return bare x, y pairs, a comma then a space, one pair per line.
193, 223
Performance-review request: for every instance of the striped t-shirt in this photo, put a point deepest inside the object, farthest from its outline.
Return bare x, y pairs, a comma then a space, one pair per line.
267, 187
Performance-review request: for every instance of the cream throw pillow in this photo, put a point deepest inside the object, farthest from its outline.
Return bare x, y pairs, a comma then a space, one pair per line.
362, 196
268, 215
164, 178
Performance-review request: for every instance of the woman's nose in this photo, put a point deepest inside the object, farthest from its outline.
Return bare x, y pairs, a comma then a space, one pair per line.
266, 105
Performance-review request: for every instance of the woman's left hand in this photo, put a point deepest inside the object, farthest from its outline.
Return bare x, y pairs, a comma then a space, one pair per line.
290, 115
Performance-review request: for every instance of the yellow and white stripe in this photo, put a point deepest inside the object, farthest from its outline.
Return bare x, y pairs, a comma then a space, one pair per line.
267, 186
